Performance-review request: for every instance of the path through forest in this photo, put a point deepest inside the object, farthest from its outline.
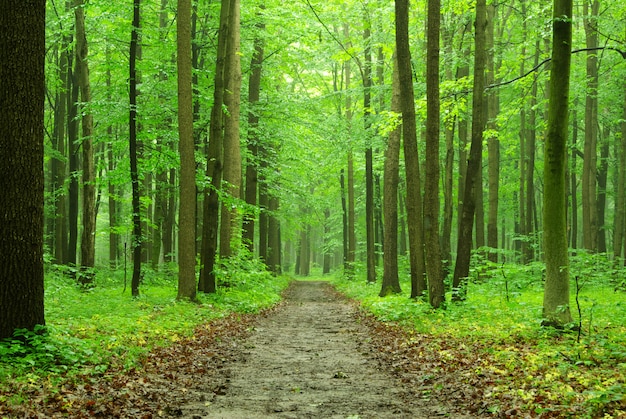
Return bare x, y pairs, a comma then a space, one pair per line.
310, 359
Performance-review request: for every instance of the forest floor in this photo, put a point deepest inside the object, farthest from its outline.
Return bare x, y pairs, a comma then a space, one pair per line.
311, 358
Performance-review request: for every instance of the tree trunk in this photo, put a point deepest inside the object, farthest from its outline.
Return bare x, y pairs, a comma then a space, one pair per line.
411, 157
493, 143
370, 234
589, 187
573, 230
74, 166
22, 94
254, 90
620, 203
88, 236
230, 230
134, 171
390, 195
273, 239
556, 301
474, 163
186, 148
326, 246
210, 225
531, 225
344, 218
58, 164
431, 191
603, 172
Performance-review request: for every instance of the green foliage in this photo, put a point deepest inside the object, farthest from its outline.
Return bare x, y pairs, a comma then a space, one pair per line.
524, 365
91, 329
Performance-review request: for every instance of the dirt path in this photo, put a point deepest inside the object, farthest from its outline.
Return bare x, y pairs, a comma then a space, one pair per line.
310, 359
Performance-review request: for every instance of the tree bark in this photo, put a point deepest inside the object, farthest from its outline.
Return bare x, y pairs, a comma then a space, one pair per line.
230, 230
411, 157
556, 306
390, 185
134, 171
22, 94
493, 143
620, 210
88, 236
466, 222
186, 148
210, 225
431, 189
589, 186
370, 236
254, 90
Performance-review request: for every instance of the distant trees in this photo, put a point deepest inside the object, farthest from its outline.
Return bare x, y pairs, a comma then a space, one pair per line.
22, 94
312, 152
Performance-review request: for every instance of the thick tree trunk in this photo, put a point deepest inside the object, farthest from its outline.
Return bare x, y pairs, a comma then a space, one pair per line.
22, 93
88, 236
390, 195
556, 302
186, 148
474, 163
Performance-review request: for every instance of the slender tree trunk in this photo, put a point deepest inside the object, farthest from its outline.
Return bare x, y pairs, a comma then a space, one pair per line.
134, 172
390, 196
230, 230
254, 90
620, 203
186, 148
88, 237
210, 225
431, 190
474, 163
273, 238
344, 217
603, 172
411, 157
58, 164
531, 225
589, 186
493, 143
326, 242
556, 302
74, 166
22, 94
369, 156
573, 242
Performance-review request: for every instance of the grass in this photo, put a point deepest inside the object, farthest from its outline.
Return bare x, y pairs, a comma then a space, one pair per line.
538, 366
89, 328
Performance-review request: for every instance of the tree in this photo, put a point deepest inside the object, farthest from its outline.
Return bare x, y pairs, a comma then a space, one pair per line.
556, 308
210, 225
22, 93
88, 236
230, 231
390, 185
132, 138
187, 212
411, 158
431, 193
474, 162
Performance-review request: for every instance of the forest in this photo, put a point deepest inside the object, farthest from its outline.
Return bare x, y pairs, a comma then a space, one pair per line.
455, 168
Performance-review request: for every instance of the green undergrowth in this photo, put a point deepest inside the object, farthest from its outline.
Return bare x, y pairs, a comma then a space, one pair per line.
90, 327
576, 372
